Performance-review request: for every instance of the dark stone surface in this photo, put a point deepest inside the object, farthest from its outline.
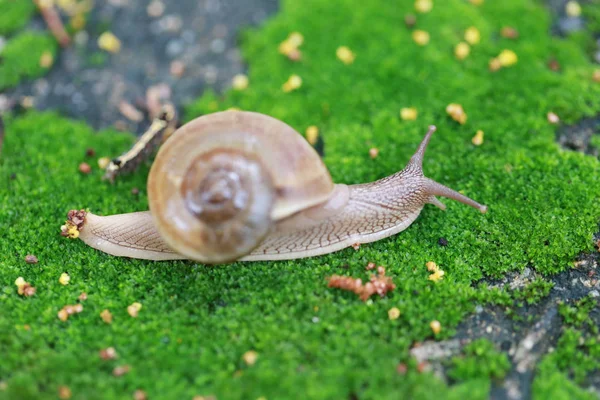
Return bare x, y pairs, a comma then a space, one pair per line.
89, 84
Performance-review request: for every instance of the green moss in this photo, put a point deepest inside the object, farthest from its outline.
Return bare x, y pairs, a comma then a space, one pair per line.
578, 314
550, 383
480, 359
197, 322
15, 14
21, 58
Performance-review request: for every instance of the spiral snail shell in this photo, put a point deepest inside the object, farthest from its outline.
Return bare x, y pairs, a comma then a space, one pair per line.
244, 186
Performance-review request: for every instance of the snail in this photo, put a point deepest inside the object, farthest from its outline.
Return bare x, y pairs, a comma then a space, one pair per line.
239, 185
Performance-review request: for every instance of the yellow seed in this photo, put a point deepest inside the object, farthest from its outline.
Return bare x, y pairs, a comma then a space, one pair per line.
373, 152
435, 326
296, 39
286, 47
106, 316
64, 393
408, 114
64, 278
103, 162
20, 282
457, 113
46, 60
507, 58
250, 357
553, 118
134, 309
573, 9
73, 232
495, 64
294, 82
345, 55
109, 42
431, 266
596, 76
63, 315
478, 138
436, 276
420, 37
312, 134
462, 50
393, 313
78, 22
240, 82
472, 35
423, 6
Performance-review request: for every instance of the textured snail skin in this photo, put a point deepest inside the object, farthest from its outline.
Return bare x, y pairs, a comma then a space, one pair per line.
351, 214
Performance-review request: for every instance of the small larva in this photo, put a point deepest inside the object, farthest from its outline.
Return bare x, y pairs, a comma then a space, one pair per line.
161, 128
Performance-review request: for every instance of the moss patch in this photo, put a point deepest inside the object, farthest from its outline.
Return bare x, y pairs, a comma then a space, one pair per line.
480, 359
197, 322
21, 57
15, 14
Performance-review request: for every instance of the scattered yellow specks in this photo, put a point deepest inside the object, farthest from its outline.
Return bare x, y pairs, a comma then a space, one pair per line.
476, 2
345, 55
290, 46
64, 278
596, 75
64, 393
312, 134
507, 58
68, 310
573, 9
435, 326
457, 113
70, 230
408, 113
46, 60
462, 50
109, 42
553, 118
103, 162
373, 152
478, 138
62, 315
240, 82
393, 313
472, 35
106, 316
24, 288
294, 82
420, 37
437, 273
134, 309
431, 266
436, 276
423, 6
250, 357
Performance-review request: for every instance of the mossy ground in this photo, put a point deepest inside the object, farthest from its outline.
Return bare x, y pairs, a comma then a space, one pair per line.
198, 321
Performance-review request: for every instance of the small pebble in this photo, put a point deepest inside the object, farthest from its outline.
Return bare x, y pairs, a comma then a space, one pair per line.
85, 168
423, 6
64, 279
294, 82
373, 152
410, 20
420, 37
573, 9
345, 55
596, 76
135, 191
139, 395
177, 68
393, 313
356, 246
370, 266
109, 42
508, 32
250, 357
240, 82
462, 50
134, 309
121, 370
103, 162
312, 134
31, 259
552, 118
443, 242
64, 393
408, 114
472, 35
90, 152
82, 296
436, 327
478, 138
155, 8
106, 316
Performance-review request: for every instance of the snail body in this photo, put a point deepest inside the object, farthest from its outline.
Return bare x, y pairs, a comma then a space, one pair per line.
244, 186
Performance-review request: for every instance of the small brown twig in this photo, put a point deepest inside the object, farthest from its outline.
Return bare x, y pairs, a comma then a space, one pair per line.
54, 22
